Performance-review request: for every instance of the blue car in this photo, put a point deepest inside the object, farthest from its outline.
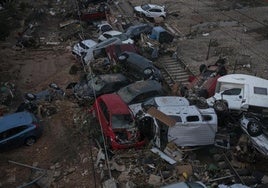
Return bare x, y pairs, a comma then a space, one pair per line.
17, 129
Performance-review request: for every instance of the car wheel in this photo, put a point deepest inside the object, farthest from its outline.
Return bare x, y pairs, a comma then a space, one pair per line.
254, 128
220, 106
203, 93
30, 141
201, 103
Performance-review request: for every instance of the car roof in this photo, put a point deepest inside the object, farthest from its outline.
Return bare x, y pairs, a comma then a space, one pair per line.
15, 120
243, 79
115, 104
89, 42
138, 26
117, 77
107, 42
171, 101
113, 32
191, 110
156, 6
138, 60
119, 48
144, 86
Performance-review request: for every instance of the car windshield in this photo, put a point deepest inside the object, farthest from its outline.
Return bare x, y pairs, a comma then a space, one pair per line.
126, 94
122, 121
145, 7
82, 45
96, 83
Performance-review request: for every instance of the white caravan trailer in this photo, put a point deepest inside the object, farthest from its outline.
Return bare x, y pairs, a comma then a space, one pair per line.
240, 92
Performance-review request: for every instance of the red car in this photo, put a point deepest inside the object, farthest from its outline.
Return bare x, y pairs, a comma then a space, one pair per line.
204, 84
115, 50
117, 122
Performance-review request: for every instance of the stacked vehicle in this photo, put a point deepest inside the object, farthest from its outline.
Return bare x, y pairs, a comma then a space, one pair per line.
117, 53
245, 98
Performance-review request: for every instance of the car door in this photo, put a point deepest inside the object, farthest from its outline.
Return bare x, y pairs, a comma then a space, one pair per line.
13, 137
234, 97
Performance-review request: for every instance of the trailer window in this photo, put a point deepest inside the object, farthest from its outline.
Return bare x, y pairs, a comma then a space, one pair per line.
260, 90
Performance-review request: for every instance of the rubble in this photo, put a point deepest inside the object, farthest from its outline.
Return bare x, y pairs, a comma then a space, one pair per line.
148, 166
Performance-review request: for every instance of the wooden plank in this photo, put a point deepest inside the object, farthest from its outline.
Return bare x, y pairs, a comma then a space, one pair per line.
161, 116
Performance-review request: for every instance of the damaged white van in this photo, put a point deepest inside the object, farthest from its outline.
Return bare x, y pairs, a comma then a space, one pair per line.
240, 92
172, 119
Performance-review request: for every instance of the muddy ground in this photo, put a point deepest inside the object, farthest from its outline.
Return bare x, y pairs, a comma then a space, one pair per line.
237, 28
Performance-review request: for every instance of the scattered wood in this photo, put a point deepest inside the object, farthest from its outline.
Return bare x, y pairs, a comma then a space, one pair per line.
68, 22
25, 165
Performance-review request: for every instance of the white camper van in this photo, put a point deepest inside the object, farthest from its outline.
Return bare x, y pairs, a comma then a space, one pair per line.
240, 92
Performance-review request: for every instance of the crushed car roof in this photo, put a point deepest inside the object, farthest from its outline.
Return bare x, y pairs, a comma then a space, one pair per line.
116, 104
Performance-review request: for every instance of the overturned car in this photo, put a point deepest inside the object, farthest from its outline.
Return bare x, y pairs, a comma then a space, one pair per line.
173, 119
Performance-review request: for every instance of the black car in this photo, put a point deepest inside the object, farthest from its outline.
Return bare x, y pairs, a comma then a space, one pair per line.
140, 91
94, 86
135, 31
138, 67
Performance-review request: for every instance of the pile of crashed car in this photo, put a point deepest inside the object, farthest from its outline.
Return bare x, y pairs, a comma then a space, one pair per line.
126, 93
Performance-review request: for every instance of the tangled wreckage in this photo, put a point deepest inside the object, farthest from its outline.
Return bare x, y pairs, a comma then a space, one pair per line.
212, 110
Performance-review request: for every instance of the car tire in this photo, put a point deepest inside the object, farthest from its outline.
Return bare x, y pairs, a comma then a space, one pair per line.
30, 141
203, 93
220, 106
254, 128
202, 103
